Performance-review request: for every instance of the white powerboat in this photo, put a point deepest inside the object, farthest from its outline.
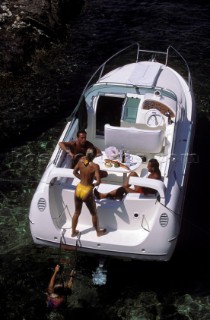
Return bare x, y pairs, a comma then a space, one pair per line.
148, 107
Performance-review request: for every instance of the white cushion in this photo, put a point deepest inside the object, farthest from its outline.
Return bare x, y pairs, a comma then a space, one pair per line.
133, 139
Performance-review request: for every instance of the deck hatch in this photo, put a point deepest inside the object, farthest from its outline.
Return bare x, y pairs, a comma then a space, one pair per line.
144, 74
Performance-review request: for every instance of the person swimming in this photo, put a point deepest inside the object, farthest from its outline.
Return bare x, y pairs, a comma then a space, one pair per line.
58, 290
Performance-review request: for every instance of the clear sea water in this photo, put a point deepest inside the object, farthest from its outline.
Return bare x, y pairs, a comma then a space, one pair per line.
178, 289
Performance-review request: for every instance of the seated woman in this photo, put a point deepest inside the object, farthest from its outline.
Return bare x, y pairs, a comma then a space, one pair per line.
153, 168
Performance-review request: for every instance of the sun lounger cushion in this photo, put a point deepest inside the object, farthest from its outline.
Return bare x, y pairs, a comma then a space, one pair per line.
133, 139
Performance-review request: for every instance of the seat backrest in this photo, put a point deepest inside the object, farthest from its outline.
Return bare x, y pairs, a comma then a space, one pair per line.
133, 139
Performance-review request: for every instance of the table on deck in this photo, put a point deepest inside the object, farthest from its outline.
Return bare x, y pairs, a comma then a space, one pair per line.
132, 165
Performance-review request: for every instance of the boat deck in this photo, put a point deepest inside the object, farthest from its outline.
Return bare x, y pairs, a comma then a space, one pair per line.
112, 237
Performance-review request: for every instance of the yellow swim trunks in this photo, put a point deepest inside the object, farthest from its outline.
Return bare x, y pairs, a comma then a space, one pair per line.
82, 191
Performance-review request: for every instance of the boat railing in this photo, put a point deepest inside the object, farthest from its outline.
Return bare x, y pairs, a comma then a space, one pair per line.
189, 79
166, 53
100, 69
68, 134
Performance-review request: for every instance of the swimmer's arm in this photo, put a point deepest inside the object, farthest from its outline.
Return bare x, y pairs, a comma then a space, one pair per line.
52, 280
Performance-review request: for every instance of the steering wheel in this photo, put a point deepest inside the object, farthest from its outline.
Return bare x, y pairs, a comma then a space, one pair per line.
154, 118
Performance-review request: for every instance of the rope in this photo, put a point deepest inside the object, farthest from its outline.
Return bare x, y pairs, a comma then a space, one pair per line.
76, 248
75, 258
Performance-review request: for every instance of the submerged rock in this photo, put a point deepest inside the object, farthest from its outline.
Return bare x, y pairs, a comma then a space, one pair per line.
32, 36
28, 25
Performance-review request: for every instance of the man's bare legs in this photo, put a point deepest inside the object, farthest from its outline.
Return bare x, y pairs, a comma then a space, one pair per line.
119, 192
114, 194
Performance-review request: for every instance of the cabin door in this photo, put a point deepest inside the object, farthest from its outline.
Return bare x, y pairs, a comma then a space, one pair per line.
108, 110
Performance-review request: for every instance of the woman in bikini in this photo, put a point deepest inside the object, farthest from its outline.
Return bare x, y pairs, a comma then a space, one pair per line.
87, 171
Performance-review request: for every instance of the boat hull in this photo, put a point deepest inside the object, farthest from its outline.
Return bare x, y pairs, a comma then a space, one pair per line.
149, 108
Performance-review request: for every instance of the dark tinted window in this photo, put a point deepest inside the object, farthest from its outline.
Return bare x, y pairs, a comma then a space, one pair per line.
109, 110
